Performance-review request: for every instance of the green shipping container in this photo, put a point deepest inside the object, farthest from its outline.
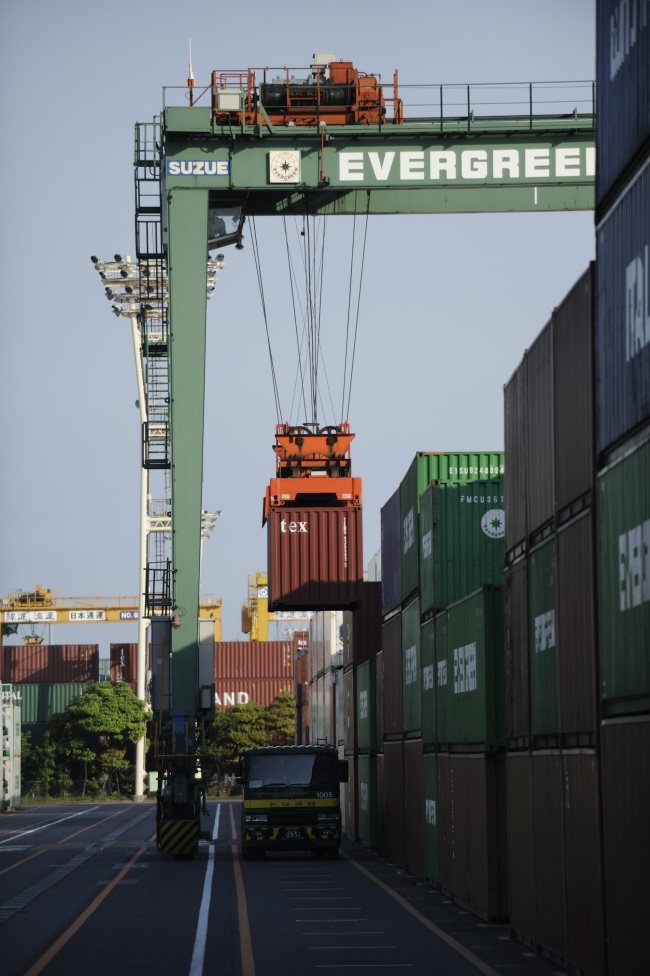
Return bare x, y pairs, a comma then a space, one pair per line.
442, 679
411, 678
623, 528
475, 670
442, 468
544, 671
40, 701
428, 697
366, 706
430, 818
367, 800
462, 541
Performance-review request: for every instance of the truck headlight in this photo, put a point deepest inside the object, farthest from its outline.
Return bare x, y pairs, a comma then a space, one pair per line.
328, 817
255, 818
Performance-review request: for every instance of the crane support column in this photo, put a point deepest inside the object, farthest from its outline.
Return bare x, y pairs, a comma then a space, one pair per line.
187, 211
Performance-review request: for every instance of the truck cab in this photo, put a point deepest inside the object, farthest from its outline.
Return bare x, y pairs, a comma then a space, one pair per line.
291, 800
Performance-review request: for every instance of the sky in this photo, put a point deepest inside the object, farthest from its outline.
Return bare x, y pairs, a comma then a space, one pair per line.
448, 304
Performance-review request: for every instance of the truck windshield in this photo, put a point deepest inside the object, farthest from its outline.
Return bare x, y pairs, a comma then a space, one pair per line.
289, 770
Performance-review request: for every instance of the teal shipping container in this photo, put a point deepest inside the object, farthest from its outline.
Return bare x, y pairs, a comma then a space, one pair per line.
428, 466
39, 702
428, 698
543, 643
429, 763
367, 800
462, 541
475, 670
411, 677
366, 705
623, 533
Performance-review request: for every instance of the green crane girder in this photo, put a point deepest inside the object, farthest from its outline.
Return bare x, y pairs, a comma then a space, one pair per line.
441, 164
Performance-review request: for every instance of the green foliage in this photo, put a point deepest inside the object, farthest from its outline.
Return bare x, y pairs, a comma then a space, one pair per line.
93, 738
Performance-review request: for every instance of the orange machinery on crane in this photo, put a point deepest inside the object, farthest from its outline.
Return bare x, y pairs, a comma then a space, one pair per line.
335, 93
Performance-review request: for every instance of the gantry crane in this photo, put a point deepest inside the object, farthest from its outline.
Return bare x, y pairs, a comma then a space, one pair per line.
337, 141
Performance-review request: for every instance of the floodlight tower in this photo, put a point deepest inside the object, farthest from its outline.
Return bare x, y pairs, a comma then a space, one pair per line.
138, 290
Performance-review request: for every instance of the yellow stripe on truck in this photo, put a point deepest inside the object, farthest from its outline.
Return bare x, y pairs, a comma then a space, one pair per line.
330, 801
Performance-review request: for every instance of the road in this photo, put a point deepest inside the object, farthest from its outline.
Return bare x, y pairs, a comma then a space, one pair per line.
84, 892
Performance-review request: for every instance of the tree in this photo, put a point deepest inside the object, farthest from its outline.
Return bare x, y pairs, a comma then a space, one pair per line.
99, 729
280, 720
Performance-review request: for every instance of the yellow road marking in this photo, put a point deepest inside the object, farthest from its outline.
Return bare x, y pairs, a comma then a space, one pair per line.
245, 945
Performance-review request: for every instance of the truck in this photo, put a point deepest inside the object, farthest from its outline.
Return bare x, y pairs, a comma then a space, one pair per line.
291, 800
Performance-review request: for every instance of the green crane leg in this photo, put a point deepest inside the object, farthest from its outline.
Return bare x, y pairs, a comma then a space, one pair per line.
187, 256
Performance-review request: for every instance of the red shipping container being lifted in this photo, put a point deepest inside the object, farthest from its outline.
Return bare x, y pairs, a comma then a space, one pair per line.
315, 558
313, 510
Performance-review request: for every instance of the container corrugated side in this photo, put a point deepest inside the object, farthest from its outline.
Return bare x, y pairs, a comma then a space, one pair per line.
50, 663
349, 800
315, 558
42, 700
365, 625
573, 370
444, 678
623, 315
411, 680
576, 618
517, 655
623, 534
379, 710
515, 410
540, 431
543, 642
625, 761
622, 58
392, 684
520, 846
475, 655
465, 541
548, 853
430, 776
414, 807
367, 800
391, 559
123, 660
391, 802
366, 698
428, 657
440, 467
471, 805
349, 711
253, 659
583, 863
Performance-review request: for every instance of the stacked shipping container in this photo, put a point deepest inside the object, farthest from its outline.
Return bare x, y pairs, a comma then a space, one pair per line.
622, 495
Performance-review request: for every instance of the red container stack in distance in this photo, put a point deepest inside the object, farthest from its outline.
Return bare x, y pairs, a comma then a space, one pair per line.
313, 510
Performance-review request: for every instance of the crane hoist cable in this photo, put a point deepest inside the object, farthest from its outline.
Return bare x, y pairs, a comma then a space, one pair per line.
258, 270
307, 284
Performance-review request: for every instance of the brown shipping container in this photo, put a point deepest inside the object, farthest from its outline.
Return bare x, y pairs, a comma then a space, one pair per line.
583, 866
315, 558
517, 670
253, 659
625, 761
520, 846
240, 691
366, 625
391, 802
414, 807
576, 572
124, 663
471, 805
391, 639
541, 475
516, 451
50, 663
573, 368
548, 854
